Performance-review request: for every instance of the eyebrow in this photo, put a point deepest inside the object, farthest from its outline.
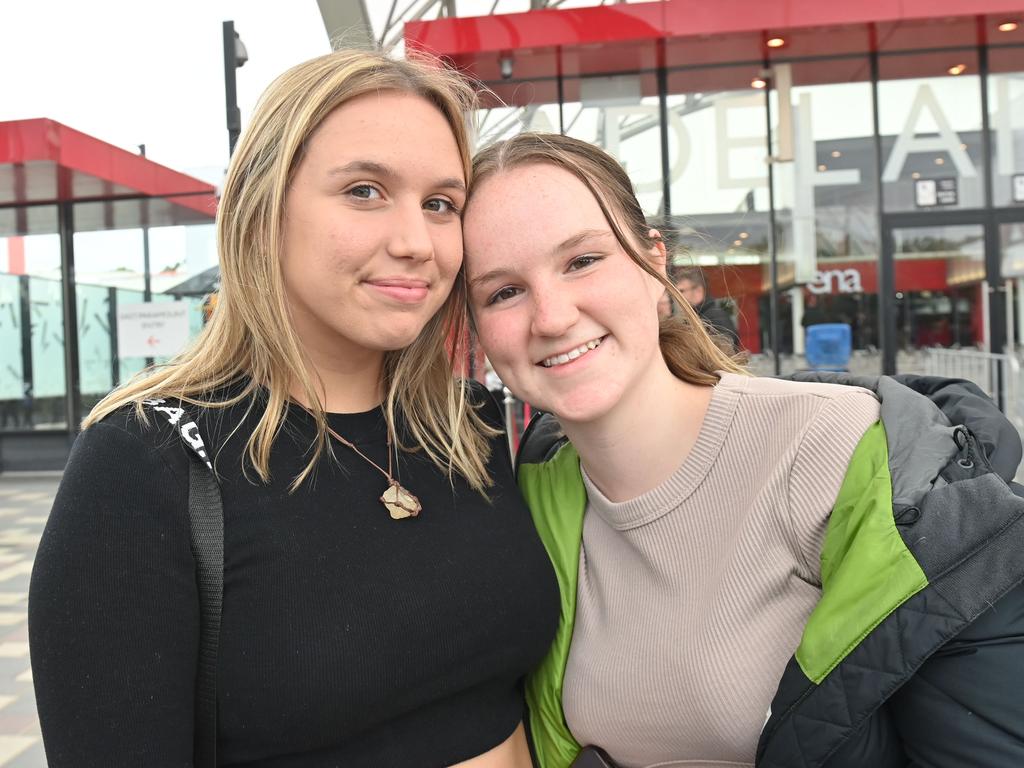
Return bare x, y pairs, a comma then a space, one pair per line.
578, 238
386, 171
565, 245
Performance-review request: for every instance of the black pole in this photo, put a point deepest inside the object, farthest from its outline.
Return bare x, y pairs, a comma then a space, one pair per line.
886, 246
666, 168
72, 378
234, 116
27, 375
147, 271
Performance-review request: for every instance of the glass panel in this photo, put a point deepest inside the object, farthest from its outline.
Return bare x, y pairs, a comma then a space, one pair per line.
1006, 118
931, 131
110, 270
620, 114
32, 383
717, 132
941, 293
48, 386
1011, 248
827, 222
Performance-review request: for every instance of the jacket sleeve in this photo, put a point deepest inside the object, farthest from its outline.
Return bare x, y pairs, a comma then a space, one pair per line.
113, 610
965, 706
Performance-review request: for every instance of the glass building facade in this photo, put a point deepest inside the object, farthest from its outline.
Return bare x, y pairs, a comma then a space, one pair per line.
868, 173
84, 233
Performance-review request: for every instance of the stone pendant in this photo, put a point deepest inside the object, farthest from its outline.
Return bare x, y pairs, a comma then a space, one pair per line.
399, 502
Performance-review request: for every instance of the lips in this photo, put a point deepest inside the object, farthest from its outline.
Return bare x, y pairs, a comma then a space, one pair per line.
572, 354
401, 289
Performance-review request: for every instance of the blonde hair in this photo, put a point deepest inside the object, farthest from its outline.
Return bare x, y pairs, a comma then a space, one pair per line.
691, 352
250, 337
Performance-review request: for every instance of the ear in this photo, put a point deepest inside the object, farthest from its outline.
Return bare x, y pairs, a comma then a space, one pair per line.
658, 256
658, 253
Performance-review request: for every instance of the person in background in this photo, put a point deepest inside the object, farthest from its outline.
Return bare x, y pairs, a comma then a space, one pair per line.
385, 589
754, 571
694, 288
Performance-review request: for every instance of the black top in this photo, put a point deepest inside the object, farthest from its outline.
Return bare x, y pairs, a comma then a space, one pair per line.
348, 638
718, 320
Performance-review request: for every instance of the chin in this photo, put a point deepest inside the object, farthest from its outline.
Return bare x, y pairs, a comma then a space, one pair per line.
580, 407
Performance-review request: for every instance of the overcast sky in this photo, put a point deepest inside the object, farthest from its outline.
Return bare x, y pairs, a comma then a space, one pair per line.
140, 71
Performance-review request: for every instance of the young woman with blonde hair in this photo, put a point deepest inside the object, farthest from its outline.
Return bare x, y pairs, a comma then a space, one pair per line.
753, 571
384, 589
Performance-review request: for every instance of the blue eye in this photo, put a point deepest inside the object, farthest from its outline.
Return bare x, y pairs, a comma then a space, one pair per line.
365, 192
503, 294
440, 205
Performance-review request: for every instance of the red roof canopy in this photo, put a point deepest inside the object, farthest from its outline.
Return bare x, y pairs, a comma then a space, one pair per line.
623, 37
43, 161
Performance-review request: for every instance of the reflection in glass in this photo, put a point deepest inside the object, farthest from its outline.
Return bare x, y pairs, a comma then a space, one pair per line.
940, 287
1006, 105
931, 130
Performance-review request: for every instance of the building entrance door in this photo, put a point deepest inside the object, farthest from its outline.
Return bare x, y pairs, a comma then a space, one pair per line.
956, 297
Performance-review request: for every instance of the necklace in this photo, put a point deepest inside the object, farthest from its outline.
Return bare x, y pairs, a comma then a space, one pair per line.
398, 501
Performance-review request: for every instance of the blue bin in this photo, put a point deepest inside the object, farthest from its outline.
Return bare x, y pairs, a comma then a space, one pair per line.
827, 346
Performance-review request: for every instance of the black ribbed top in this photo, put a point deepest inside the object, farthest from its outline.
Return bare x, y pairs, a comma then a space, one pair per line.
348, 638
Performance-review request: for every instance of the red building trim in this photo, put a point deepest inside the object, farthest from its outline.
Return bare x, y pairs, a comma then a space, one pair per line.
42, 160
473, 42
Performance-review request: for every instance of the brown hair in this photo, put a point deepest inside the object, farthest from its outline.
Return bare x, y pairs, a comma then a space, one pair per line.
250, 335
690, 351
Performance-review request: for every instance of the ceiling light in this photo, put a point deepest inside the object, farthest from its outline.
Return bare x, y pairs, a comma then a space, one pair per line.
775, 42
915, 175
836, 153
744, 235
957, 69
940, 161
758, 82
737, 242
822, 167
1008, 26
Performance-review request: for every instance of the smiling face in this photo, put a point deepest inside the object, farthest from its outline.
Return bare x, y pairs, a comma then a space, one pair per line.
372, 237
566, 317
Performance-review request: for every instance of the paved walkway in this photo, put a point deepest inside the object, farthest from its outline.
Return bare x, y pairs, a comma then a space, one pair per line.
24, 504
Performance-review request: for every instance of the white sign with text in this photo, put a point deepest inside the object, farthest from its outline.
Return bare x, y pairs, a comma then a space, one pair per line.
152, 330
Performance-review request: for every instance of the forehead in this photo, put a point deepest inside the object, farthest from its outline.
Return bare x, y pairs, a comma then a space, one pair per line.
393, 127
528, 209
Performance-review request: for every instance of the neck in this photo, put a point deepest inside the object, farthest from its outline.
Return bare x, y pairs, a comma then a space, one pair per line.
636, 447
352, 385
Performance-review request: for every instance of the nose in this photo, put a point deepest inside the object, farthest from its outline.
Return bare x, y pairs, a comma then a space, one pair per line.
554, 312
410, 235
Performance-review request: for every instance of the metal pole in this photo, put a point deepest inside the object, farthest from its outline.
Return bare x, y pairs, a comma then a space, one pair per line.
773, 264
234, 116
147, 271
886, 268
666, 176
73, 404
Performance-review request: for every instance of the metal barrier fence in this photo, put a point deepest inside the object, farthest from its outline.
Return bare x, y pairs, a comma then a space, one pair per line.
999, 375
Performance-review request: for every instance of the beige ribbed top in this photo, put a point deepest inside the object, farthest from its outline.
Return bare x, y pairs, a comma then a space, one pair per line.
693, 596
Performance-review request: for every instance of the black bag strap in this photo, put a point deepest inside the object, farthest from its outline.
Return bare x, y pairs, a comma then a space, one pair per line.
206, 527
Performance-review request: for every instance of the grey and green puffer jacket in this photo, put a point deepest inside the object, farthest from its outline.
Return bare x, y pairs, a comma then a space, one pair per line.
915, 653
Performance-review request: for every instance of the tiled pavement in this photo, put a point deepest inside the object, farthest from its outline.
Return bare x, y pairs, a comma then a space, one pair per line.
25, 501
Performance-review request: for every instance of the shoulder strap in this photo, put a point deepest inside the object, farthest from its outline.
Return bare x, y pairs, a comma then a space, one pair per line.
206, 527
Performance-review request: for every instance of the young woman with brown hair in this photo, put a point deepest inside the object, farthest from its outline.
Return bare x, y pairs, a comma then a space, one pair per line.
753, 571
384, 589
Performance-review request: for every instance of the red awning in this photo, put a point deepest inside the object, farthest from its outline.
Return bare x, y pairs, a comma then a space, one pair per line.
627, 37
42, 162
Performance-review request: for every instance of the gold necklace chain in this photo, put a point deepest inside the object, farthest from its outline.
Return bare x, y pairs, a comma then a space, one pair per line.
398, 500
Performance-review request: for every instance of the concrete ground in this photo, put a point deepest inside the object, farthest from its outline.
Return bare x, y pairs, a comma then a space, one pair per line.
25, 501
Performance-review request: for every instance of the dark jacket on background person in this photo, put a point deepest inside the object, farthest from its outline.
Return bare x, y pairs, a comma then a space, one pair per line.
931, 672
718, 319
